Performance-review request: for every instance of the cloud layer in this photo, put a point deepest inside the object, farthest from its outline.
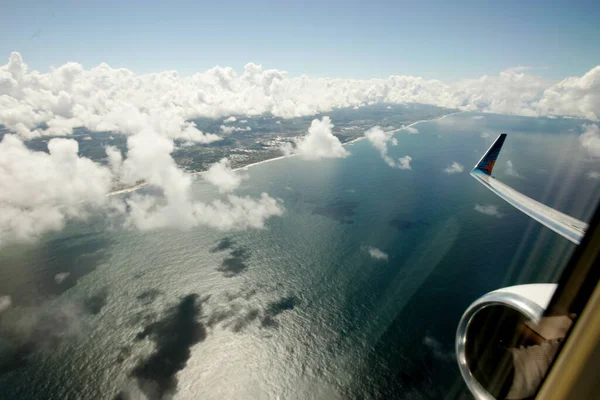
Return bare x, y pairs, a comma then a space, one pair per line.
105, 98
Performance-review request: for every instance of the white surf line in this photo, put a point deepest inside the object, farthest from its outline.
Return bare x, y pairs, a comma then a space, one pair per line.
408, 126
245, 167
128, 189
425, 120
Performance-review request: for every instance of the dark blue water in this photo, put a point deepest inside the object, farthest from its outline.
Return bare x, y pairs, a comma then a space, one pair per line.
300, 309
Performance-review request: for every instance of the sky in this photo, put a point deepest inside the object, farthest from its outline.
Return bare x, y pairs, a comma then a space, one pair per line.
346, 39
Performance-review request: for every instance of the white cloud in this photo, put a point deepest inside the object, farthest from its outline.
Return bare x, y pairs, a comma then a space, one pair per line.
590, 139
60, 277
105, 98
478, 117
485, 135
243, 121
488, 209
377, 254
230, 119
319, 142
5, 303
411, 130
230, 129
574, 96
222, 176
149, 159
39, 191
593, 175
510, 170
380, 139
437, 349
278, 122
404, 162
454, 168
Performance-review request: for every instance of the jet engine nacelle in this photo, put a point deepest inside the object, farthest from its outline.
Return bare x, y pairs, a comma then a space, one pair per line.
492, 321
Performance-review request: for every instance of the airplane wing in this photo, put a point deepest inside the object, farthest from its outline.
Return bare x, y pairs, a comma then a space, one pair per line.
569, 227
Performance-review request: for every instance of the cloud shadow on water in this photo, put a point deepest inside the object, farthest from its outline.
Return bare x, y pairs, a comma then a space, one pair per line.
44, 328
240, 323
96, 302
402, 223
33, 273
275, 308
174, 334
224, 244
339, 210
235, 264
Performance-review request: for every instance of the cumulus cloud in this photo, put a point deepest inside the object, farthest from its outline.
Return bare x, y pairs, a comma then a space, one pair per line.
223, 177
573, 96
5, 303
39, 191
230, 119
488, 209
404, 162
377, 254
411, 130
510, 170
590, 139
454, 168
319, 142
230, 129
485, 135
149, 159
478, 117
105, 98
380, 140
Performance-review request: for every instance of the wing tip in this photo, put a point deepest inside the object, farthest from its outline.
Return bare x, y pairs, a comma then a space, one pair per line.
487, 162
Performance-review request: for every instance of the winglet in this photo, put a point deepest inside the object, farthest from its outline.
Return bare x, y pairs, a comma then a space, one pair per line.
486, 164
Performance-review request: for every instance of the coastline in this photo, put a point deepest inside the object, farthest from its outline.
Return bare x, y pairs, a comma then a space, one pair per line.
245, 167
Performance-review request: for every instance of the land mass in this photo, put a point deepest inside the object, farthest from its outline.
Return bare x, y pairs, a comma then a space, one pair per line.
252, 139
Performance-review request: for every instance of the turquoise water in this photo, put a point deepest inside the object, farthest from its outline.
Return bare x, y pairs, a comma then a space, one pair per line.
299, 309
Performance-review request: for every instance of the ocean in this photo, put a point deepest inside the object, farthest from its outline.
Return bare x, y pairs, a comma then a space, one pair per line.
300, 309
